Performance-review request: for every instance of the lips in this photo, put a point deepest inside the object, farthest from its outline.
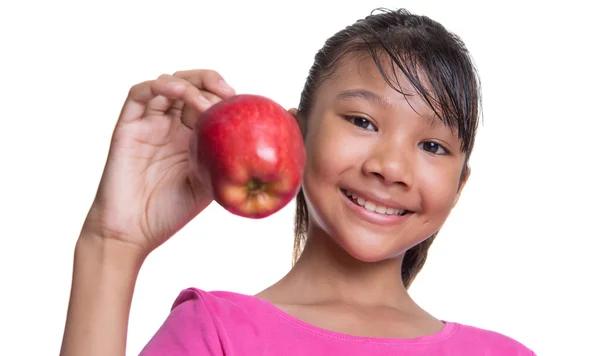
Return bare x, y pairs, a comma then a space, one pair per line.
372, 206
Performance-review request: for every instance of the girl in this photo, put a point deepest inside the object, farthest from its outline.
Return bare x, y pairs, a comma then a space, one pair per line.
389, 114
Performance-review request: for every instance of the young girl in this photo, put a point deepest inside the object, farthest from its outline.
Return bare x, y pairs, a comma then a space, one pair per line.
389, 114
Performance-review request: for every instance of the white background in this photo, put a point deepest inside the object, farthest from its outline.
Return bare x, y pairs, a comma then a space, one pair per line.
518, 255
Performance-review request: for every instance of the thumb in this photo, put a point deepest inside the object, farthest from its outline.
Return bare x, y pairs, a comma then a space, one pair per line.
190, 114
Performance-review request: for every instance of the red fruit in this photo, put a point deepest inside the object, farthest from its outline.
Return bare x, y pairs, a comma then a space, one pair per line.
249, 152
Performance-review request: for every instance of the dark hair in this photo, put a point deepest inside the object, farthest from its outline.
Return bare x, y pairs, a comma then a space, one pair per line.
417, 46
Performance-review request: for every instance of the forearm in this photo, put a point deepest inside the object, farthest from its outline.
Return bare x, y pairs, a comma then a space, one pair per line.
104, 276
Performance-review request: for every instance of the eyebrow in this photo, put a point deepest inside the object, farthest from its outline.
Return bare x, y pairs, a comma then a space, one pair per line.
363, 94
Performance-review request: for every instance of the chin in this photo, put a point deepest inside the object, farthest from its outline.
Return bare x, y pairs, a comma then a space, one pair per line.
370, 248
368, 256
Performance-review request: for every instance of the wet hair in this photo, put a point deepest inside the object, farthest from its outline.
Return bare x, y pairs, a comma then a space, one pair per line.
436, 64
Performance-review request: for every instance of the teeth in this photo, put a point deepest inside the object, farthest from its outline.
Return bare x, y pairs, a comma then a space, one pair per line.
381, 209
370, 206
373, 207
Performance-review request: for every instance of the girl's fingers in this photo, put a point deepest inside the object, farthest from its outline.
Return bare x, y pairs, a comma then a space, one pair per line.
186, 93
189, 115
155, 97
135, 104
208, 80
169, 89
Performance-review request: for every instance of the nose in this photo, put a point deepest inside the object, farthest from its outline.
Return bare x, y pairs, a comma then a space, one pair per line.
392, 164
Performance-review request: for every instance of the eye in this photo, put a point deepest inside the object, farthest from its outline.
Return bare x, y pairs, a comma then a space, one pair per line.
361, 122
433, 148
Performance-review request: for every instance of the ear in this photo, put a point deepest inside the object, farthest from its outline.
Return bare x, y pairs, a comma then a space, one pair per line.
463, 181
299, 120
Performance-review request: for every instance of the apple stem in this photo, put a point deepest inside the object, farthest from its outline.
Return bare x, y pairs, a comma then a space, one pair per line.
255, 186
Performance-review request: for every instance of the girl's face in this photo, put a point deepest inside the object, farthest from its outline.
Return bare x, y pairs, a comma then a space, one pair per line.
382, 174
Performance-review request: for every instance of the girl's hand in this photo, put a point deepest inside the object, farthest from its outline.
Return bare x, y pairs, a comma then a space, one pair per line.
147, 191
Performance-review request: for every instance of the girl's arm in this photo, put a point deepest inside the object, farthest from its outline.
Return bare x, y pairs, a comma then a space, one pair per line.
104, 276
147, 192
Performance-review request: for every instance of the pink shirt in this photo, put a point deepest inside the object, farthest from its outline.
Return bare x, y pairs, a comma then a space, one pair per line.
231, 324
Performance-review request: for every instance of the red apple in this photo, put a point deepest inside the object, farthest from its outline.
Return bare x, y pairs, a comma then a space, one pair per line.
249, 152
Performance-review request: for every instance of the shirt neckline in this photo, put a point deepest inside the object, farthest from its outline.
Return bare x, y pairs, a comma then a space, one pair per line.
446, 332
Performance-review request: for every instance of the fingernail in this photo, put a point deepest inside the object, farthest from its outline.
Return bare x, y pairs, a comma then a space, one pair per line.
223, 85
177, 86
203, 102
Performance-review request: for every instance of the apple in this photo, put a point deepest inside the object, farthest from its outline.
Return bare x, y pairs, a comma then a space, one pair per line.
248, 151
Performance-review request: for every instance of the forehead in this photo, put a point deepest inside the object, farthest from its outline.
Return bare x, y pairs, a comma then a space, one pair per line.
360, 78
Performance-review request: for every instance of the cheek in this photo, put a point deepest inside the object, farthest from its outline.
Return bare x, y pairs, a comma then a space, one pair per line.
331, 152
438, 186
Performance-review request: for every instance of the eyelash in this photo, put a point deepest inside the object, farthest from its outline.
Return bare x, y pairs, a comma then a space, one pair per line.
436, 146
352, 120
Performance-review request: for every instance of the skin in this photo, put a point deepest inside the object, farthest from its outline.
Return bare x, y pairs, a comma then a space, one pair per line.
401, 154
148, 192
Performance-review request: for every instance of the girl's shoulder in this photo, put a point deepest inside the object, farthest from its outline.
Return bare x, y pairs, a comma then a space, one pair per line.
224, 305
207, 323
228, 323
493, 342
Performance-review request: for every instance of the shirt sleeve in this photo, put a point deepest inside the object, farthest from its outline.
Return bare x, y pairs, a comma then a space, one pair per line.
188, 330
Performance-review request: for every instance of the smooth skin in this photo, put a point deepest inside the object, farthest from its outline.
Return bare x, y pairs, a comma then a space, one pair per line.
147, 193
364, 136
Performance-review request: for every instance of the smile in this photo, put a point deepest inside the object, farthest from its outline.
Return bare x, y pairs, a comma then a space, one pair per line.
372, 207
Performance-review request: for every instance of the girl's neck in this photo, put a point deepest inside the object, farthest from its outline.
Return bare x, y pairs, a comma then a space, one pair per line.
325, 273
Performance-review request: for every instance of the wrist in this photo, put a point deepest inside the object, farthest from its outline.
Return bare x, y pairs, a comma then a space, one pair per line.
110, 253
